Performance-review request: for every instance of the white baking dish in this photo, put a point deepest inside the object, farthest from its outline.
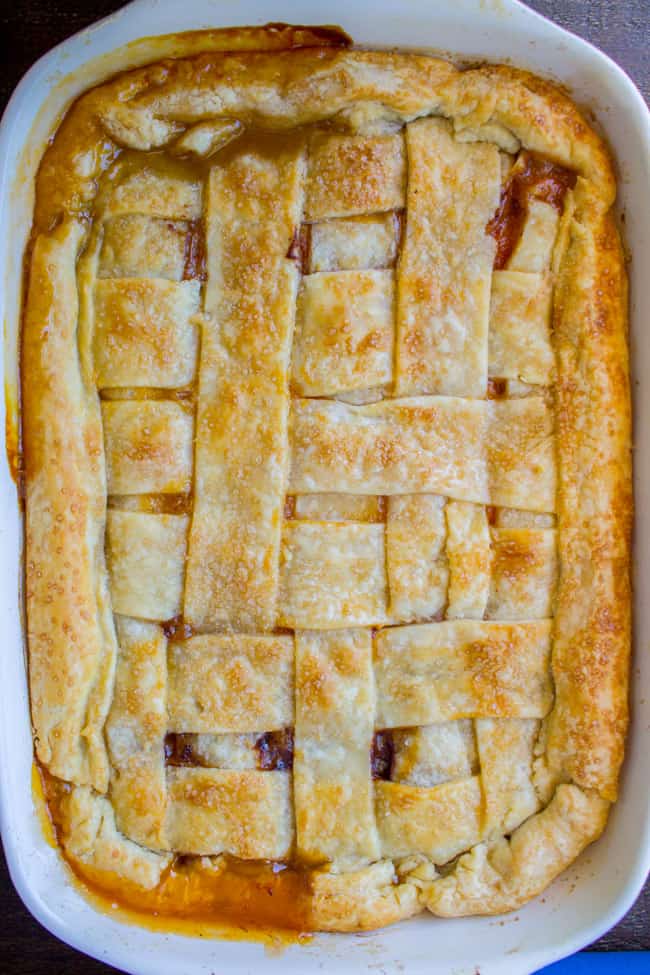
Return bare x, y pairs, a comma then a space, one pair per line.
597, 891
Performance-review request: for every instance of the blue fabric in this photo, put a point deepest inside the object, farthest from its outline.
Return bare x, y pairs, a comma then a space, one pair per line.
602, 963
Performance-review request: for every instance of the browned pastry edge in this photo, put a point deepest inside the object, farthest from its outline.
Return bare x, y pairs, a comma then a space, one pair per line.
499, 877
139, 109
586, 729
70, 631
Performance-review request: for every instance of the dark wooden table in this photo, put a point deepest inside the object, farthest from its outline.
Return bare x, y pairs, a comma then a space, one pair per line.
31, 27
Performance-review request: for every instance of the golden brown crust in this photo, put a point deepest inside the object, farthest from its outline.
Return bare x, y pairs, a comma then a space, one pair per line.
69, 623
586, 729
70, 627
361, 900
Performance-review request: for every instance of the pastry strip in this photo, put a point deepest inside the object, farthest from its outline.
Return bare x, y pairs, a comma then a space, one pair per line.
465, 668
225, 683
332, 575
254, 205
66, 504
446, 264
335, 706
135, 731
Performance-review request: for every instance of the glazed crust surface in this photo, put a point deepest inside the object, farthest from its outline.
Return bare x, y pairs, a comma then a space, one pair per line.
280, 82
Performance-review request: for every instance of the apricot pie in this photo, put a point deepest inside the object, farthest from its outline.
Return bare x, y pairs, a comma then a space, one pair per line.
326, 447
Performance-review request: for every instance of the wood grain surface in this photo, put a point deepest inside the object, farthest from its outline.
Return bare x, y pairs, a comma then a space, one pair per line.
29, 28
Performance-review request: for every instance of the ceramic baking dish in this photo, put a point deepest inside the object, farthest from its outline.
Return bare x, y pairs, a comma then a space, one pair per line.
594, 893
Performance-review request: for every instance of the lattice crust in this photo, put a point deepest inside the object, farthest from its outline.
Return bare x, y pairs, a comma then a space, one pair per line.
446, 265
344, 332
354, 243
148, 447
144, 334
136, 245
349, 467
254, 203
231, 684
351, 175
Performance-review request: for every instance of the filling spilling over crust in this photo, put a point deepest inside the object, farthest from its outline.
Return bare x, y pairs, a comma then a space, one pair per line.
326, 458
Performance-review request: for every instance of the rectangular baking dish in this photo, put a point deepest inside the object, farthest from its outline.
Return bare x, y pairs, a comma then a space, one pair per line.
594, 893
